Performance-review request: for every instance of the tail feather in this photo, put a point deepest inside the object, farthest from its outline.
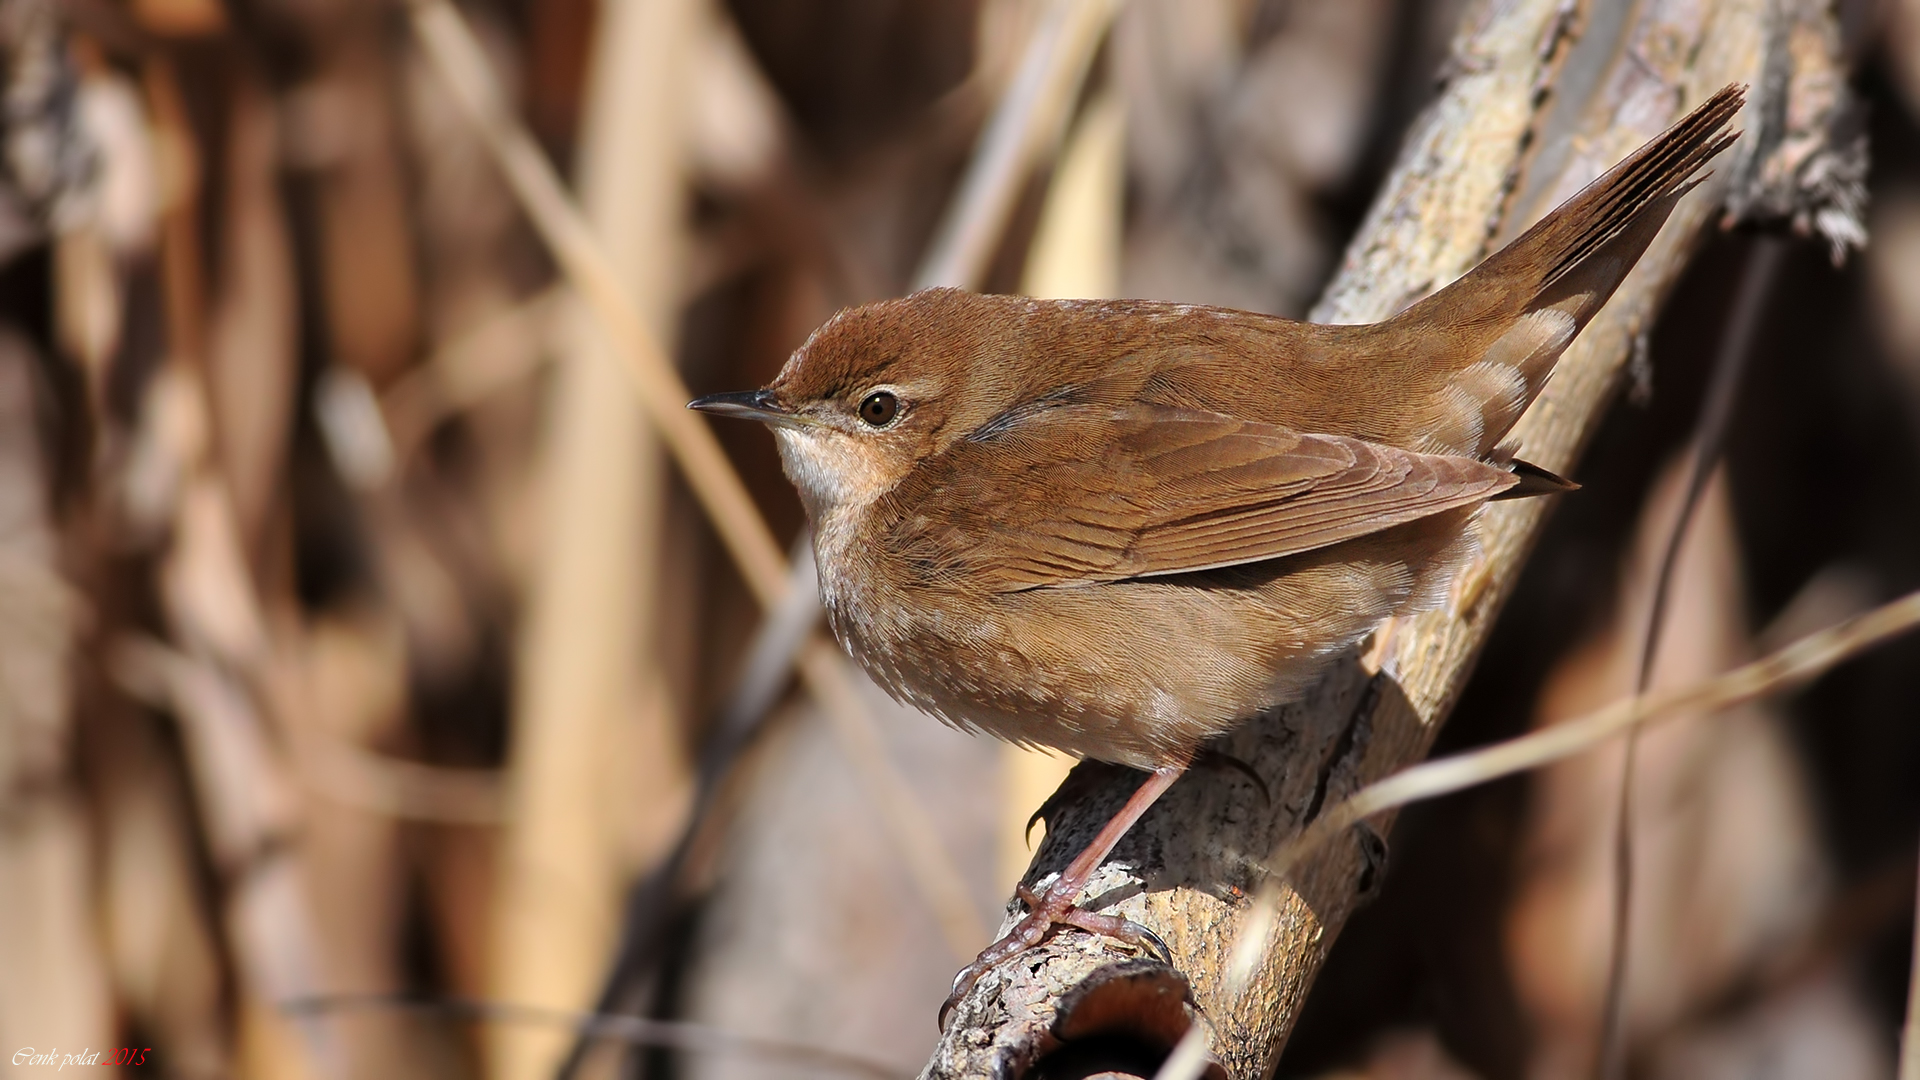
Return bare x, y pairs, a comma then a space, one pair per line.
1534, 480
1607, 207
1506, 323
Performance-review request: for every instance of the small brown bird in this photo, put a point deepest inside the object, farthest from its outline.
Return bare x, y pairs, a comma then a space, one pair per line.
1120, 528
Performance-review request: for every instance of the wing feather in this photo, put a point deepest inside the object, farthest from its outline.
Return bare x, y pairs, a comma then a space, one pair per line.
1081, 494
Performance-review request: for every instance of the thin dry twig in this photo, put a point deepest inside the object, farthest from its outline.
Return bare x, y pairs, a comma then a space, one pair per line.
458, 58
1709, 441
1791, 666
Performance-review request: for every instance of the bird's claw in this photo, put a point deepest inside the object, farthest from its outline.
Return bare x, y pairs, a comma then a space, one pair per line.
1044, 914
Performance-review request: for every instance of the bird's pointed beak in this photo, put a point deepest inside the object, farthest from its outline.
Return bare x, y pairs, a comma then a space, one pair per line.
759, 405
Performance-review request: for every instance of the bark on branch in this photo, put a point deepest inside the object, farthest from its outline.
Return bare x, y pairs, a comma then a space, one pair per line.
1545, 95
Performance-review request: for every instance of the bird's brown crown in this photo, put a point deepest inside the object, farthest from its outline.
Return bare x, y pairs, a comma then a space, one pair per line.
946, 356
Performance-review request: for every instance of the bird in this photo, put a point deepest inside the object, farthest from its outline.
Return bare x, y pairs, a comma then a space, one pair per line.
1120, 528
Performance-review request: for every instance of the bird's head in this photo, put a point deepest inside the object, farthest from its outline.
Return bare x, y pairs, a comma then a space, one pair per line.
879, 389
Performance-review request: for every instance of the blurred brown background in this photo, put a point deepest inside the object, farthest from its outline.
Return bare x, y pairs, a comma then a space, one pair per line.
358, 638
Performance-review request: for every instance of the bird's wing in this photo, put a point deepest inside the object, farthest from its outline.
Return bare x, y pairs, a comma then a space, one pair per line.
1079, 494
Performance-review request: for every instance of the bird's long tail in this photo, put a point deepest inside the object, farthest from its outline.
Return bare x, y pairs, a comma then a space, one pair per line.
1520, 308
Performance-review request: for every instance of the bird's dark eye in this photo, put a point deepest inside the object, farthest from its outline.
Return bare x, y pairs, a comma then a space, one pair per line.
879, 409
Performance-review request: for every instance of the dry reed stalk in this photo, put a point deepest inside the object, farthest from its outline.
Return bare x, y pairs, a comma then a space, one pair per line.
54, 994
250, 363
1076, 246
163, 952
633, 183
591, 613
342, 678
206, 586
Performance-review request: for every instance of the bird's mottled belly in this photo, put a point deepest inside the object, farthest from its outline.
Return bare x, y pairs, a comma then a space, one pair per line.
1136, 673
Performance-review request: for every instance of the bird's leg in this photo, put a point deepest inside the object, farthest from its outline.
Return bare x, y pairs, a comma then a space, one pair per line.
1055, 907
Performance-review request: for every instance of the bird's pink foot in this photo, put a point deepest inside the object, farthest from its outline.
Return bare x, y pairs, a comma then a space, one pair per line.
1045, 912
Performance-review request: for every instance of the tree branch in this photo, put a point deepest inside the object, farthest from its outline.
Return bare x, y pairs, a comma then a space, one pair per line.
1489, 157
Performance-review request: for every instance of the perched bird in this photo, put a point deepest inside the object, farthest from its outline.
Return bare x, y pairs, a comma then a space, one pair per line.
1120, 528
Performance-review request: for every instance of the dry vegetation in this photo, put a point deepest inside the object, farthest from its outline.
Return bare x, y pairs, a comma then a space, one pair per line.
379, 695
